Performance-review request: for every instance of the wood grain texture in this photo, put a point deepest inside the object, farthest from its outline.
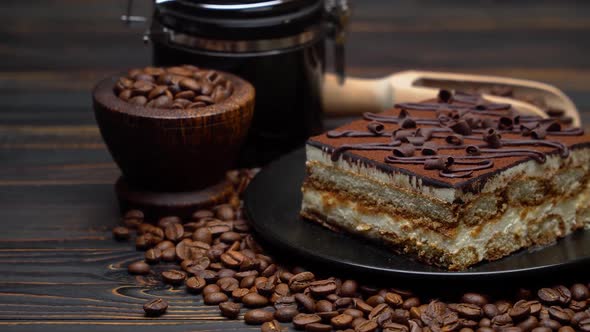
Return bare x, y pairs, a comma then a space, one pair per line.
59, 268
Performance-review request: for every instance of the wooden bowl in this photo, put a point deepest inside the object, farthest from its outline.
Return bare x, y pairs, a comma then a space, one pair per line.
174, 150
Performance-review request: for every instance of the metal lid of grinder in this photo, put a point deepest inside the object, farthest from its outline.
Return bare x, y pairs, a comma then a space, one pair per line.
233, 19
248, 26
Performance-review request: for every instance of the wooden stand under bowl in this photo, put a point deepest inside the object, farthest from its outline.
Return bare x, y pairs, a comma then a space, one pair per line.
173, 161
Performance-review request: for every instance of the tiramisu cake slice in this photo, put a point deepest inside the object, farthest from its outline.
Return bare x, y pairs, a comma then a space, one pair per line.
451, 181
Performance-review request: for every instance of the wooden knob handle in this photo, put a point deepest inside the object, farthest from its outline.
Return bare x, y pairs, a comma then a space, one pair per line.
356, 95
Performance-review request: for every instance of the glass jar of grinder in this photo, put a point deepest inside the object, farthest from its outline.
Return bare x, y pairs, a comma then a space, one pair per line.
277, 45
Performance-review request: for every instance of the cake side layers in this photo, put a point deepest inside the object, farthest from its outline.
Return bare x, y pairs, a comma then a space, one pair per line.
556, 176
518, 227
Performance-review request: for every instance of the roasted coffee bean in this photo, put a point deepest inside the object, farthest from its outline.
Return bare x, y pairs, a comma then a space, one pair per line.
342, 321
559, 314
228, 284
502, 321
169, 255
230, 237
503, 306
548, 295
200, 214
578, 305
415, 312
529, 323
238, 293
189, 249
470, 311
195, 284
362, 305
306, 302
215, 298
415, 326
173, 277
535, 307
393, 299
490, 310
190, 84
258, 316
272, 326
578, 317
248, 281
156, 307
301, 320
379, 309
541, 329
354, 313
400, 315
286, 314
196, 265
411, 302
342, 303
485, 322
174, 232
282, 290
474, 298
230, 310
140, 268
232, 258
121, 233
395, 327
265, 288
348, 288
300, 281
322, 287
550, 323
375, 300
211, 288
512, 329
366, 326
254, 300
224, 211
323, 306
584, 325
566, 329
164, 245
580, 292
152, 256
157, 91
225, 273
318, 327
520, 310
564, 294
285, 302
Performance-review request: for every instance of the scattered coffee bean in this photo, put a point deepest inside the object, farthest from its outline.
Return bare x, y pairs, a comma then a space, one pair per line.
258, 316
342, 321
301, 320
140, 268
230, 310
474, 298
254, 300
195, 284
215, 298
348, 288
548, 295
272, 326
318, 327
173, 277
156, 307
286, 314
152, 256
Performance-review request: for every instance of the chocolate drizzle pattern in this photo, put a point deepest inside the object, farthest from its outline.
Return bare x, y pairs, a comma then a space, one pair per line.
459, 117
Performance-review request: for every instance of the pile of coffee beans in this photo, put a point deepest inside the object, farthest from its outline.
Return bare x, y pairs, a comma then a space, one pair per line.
182, 87
218, 257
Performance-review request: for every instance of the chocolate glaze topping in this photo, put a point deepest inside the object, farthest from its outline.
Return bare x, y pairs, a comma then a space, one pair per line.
457, 135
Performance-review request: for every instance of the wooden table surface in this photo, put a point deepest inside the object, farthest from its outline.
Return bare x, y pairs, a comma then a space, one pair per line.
59, 268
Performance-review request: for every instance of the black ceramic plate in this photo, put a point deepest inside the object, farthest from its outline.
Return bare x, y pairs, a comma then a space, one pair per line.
272, 203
